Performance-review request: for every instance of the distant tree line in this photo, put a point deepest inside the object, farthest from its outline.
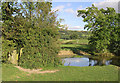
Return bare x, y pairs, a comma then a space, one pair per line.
33, 27
69, 34
105, 29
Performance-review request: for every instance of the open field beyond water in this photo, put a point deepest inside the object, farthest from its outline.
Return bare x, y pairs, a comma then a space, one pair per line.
75, 45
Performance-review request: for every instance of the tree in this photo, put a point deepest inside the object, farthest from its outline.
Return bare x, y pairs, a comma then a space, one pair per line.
9, 40
114, 46
41, 46
103, 25
34, 28
74, 36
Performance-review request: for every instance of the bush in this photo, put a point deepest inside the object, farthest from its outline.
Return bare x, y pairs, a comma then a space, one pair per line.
36, 33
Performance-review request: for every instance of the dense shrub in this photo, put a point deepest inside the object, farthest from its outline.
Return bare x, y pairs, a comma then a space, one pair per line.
36, 33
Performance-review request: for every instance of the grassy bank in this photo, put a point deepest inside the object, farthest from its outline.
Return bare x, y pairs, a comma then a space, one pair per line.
74, 48
65, 73
78, 44
80, 47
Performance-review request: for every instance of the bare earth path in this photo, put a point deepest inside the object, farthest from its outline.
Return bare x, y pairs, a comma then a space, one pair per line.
37, 71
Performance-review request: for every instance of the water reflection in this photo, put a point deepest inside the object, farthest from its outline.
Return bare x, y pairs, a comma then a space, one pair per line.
100, 61
85, 62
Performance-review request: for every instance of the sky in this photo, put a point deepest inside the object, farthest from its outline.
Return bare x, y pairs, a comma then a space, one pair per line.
67, 10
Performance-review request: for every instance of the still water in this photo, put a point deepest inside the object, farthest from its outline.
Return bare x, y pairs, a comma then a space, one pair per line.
84, 61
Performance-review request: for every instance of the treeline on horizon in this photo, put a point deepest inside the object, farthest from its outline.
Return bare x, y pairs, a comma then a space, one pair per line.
70, 34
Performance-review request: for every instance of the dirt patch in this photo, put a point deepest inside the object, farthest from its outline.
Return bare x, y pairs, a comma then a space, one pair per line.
66, 52
17, 77
81, 52
36, 70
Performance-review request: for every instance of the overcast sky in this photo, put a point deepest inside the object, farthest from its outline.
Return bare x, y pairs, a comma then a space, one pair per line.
68, 10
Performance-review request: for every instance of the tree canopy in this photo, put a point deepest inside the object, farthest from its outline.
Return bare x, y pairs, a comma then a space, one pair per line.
104, 27
33, 27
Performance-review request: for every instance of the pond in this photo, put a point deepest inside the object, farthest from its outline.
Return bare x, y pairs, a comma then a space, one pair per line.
85, 61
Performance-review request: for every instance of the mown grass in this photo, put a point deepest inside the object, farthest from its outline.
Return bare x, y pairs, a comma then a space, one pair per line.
75, 47
75, 41
65, 73
78, 44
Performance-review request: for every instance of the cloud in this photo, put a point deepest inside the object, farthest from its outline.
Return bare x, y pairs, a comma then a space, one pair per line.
68, 4
80, 7
69, 10
59, 8
76, 28
107, 3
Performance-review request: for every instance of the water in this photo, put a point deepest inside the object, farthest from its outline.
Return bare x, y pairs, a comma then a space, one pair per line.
84, 62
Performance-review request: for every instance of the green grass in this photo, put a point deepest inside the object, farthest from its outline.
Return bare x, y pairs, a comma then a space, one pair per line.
76, 41
70, 45
65, 73
79, 44
75, 47
77, 56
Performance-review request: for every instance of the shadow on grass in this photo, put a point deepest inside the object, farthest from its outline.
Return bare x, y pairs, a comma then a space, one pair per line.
82, 47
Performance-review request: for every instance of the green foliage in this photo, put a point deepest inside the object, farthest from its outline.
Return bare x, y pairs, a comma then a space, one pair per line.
33, 28
9, 40
65, 34
74, 36
114, 46
104, 27
41, 47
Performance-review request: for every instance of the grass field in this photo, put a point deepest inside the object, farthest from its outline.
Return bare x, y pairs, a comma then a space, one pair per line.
80, 44
75, 47
65, 73
76, 41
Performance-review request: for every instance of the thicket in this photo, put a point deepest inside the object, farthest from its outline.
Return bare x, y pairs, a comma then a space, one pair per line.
33, 27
